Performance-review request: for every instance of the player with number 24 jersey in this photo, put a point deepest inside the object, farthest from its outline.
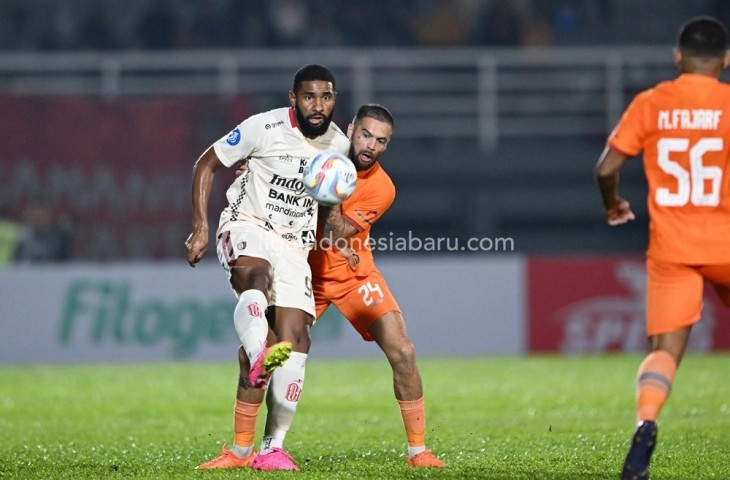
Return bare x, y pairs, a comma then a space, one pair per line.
344, 273
362, 296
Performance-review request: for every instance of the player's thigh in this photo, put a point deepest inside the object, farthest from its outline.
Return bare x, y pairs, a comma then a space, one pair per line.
321, 298
673, 296
719, 278
292, 286
292, 325
367, 299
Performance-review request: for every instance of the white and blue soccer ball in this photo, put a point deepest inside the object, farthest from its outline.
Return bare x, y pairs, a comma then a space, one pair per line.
329, 177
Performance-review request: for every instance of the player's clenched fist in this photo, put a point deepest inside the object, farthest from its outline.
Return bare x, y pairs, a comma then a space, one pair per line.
619, 213
196, 245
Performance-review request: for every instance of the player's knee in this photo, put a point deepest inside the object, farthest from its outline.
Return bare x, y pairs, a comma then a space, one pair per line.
301, 340
298, 335
403, 354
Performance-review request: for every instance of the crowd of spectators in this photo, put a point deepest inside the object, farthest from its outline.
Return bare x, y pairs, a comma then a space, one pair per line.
30, 25
42, 235
111, 25
123, 25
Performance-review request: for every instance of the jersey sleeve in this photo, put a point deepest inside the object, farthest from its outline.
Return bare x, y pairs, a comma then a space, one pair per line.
629, 134
241, 143
369, 207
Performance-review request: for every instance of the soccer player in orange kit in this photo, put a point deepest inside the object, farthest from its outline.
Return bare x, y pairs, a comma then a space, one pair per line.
683, 128
344, 272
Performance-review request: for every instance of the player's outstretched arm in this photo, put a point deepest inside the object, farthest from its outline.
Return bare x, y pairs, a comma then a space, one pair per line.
336, 229
617, 209
334, 225
203, 173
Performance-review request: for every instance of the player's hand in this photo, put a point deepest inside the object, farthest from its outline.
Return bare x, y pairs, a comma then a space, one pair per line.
352, 258
619, 213
241, 168
196, 246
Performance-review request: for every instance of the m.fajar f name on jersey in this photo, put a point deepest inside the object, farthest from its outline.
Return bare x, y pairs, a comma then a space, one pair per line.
689, 119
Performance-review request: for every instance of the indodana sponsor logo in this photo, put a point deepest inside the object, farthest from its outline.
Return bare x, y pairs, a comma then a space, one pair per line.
105, 312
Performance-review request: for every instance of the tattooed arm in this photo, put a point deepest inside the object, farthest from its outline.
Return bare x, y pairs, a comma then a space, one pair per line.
334, 225
335, 231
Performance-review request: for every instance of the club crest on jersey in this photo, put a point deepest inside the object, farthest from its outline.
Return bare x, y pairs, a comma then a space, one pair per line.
234, 137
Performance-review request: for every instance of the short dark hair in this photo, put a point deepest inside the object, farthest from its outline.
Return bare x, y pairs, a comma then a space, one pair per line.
310, 73
373, 110
703, 37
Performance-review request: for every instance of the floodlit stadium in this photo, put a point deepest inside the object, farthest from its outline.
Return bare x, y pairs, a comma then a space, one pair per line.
527, 312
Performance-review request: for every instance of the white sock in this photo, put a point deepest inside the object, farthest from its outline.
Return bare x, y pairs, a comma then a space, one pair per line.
282, 398
270, 443
242, 452
413, 451
249, 318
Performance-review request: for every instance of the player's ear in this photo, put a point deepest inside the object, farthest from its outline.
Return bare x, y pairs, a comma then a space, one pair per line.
678, 58
292, 98
350, 129
726, 60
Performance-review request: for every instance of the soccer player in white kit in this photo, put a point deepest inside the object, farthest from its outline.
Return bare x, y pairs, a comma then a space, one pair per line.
263, 239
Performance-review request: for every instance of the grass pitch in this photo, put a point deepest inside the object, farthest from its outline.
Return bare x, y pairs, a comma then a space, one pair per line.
508, 418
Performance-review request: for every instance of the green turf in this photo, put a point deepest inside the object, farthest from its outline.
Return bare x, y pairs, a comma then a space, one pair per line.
509, 418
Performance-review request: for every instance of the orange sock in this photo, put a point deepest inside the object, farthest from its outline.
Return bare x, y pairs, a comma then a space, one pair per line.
653, 384
414, 420
244, 422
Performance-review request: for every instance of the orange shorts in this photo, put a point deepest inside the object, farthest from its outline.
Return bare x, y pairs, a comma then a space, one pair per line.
361, 300
674, 293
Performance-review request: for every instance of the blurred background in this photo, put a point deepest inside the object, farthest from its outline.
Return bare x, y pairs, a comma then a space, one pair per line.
501, 110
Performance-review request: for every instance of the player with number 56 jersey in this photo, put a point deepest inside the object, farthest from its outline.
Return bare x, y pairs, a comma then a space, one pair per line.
682, 127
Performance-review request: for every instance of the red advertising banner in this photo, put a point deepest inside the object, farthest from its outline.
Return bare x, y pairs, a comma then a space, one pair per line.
118, 172
594, 305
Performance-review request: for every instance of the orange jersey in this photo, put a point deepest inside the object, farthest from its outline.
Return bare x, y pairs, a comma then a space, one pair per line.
373, 195
683, 128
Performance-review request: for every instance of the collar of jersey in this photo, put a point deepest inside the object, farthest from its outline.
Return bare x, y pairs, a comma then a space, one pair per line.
697, 78
370, 171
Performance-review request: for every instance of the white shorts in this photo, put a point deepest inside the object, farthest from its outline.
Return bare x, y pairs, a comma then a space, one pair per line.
292, 285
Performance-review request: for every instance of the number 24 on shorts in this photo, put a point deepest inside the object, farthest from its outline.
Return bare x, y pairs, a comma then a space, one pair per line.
367, 290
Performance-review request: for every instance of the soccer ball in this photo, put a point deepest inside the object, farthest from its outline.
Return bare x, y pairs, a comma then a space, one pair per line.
329, 177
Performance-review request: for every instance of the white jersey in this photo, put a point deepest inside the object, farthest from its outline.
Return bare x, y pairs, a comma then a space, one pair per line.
271, 194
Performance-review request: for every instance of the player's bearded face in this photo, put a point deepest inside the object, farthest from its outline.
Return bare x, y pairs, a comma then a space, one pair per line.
368, 141
362, 158
309, 129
